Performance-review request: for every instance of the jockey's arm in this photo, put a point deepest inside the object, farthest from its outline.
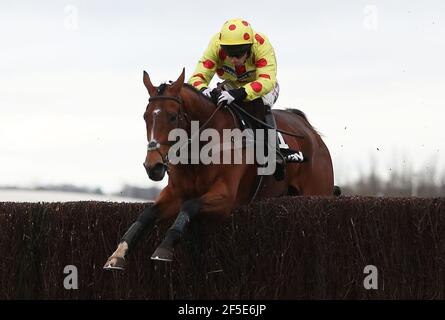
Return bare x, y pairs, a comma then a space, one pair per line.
206, 67
266, 71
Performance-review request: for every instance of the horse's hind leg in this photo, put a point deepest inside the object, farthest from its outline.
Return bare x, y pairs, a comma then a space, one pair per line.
310, 181
315, 180
293, 186
165, 207
292, 191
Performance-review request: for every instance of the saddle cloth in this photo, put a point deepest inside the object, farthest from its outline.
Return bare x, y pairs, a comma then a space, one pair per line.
290, 156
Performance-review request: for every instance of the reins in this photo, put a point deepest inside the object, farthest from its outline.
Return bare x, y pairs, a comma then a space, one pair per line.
247, 114
154, 145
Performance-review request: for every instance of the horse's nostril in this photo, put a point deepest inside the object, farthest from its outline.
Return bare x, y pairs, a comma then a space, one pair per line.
157, 172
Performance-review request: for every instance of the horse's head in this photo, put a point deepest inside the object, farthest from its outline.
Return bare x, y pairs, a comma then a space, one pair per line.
164, 113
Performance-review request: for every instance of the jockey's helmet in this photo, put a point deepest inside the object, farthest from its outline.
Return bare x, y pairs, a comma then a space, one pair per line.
236, 37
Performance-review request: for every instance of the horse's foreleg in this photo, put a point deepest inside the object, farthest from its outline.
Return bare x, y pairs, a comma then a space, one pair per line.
165, 207
219, 200
188, 210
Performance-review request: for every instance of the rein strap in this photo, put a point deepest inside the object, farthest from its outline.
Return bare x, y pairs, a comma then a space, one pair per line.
238, 108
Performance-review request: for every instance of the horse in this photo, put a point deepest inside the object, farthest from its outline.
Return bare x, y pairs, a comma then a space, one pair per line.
213, 189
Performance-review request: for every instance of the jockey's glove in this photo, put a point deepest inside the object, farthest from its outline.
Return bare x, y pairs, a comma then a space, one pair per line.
211, 93
227, 97
207, 92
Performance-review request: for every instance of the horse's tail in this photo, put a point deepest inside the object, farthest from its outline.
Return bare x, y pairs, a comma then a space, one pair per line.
337, 191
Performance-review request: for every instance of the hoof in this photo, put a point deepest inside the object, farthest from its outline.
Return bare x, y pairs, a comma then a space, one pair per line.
115, 263
163, 254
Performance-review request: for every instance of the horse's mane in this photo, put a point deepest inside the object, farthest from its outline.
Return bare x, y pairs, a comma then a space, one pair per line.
189, 86
196, 91
162, 88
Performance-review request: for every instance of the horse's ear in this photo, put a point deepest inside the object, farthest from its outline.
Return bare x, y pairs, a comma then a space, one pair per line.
150, 87
177, 85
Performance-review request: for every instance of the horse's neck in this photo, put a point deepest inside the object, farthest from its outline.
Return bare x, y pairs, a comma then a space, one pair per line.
199, 109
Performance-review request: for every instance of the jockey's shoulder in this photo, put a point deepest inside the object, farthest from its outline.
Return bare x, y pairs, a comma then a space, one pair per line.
260, 39
215, 40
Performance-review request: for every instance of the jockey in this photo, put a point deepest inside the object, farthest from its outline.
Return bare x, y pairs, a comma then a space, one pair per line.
245, 59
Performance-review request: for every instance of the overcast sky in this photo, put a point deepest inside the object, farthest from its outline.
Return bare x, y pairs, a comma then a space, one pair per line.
370, 75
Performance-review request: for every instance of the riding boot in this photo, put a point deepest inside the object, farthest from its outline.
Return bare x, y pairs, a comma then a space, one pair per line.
280, 170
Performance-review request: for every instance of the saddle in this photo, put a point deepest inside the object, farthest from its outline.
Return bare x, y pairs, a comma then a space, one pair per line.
245, 122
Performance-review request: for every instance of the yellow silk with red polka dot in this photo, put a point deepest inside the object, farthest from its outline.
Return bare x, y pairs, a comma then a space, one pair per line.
257, 75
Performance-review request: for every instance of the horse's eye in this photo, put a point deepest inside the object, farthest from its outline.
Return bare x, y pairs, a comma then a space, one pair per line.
172, 117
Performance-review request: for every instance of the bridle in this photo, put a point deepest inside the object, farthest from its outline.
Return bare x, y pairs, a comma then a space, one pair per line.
154, 145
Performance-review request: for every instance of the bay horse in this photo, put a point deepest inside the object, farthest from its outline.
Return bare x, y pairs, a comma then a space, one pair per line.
213, 189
